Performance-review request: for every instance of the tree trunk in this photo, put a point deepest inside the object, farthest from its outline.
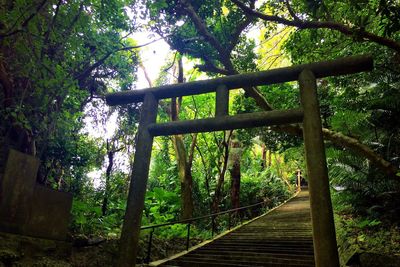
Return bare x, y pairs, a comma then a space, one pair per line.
7, 86
146, 74
110, 155
269, 158
184, 163
207, 175
187, 194
235, 157
111, 150
281, 173
185, 177
221, 174
263, 157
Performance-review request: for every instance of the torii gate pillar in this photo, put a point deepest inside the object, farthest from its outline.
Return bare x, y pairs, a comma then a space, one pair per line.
137, 188
324, 236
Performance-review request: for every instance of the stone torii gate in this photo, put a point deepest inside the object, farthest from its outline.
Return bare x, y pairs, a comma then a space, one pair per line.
324, 237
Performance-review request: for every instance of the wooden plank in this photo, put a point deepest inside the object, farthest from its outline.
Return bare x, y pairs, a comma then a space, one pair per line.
325, 247
347, 65
137, 188
241, 121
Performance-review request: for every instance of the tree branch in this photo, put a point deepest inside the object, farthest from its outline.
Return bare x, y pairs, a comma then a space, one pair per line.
146, 75
66, 33
303, 24
291, 11
351, 143
50, 27
191, 150
172, 64
210, 67
26, 21
85, 73
224, 55
234, 39
202, 29
361, 149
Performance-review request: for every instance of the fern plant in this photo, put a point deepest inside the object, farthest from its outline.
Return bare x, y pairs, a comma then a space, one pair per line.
360, 187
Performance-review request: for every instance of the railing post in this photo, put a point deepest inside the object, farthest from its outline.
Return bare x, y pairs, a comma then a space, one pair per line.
188, 236
229, 220
137, 189
298, 180
149, 246
325, 247
212, 225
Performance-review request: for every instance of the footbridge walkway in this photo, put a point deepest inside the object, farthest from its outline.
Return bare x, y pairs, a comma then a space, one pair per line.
281, 237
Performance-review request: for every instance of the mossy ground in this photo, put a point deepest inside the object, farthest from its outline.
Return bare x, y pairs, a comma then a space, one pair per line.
367, 240
22, 251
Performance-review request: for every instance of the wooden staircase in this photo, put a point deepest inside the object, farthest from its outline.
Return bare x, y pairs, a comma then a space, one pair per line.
282, 237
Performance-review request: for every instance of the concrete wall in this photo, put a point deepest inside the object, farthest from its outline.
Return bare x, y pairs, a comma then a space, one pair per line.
17, 185
27, 208
50, 214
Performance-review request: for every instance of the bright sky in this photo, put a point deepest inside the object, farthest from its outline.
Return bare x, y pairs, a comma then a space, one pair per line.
153, 58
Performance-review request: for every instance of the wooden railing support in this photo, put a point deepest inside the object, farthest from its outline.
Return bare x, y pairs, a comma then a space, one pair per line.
137, 188
298, 180
324, 236
150, 242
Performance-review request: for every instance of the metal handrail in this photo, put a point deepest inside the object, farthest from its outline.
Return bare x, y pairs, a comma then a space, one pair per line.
199, 218
189, 222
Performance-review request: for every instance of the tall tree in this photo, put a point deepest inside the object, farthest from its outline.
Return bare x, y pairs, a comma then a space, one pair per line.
234, 170
184, 154
184, 158
55, 58
111, 151
223, 161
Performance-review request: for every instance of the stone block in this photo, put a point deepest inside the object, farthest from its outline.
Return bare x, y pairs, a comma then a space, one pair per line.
16, 190
50, 213
28, 208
